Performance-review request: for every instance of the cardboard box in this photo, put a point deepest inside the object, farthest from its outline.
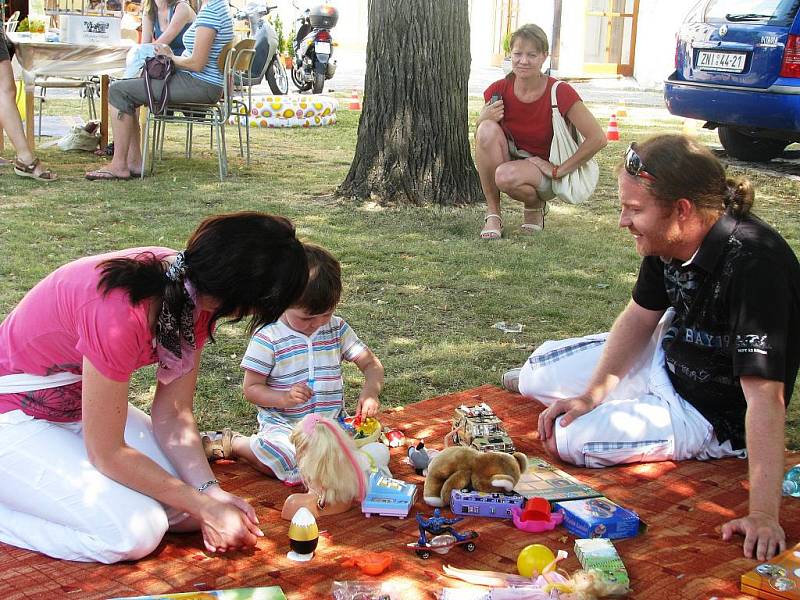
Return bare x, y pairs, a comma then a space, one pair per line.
601, 555
85, 29
598, 517
778, 579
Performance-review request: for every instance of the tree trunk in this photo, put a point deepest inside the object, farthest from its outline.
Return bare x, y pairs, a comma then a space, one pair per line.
413, 136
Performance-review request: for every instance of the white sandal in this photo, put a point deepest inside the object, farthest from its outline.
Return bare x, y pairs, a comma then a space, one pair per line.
510, 380
492, 234
529, 228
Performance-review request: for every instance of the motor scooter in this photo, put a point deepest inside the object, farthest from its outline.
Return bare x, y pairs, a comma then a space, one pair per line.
313, 47
266, 60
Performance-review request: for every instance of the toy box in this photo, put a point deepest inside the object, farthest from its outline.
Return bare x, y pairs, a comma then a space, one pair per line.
482, 504
599, 554
388, 497
778, 579
598, 517
543, 480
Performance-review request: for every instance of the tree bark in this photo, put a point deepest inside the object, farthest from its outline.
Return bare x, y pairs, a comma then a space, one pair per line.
413, 136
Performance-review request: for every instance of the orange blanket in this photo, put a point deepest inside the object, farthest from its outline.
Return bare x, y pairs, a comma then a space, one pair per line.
680, 556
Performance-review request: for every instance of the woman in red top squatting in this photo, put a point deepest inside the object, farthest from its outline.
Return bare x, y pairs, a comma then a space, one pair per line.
86, 475
515, 129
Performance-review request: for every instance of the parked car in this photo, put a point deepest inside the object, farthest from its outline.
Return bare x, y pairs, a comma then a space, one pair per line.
737, 67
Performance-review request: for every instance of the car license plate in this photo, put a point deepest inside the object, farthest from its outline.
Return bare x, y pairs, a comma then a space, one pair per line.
322, 47
732, 62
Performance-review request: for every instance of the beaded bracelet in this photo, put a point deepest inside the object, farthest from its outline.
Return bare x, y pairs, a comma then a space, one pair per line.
207, 485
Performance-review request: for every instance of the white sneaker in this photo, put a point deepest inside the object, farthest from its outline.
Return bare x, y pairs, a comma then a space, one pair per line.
510, 380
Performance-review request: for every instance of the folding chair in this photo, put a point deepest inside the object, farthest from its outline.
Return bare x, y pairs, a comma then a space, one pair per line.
89, 88
215, 115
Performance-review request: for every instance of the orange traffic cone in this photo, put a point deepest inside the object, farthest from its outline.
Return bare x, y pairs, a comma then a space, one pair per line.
612, 133
355, 101
621, 110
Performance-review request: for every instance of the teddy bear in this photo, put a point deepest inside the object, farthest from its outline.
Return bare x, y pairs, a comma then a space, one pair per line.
460, 467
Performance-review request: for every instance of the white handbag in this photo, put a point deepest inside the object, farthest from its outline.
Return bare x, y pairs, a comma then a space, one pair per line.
575, 187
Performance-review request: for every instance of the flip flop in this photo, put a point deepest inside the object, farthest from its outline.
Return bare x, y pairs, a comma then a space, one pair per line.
104, 175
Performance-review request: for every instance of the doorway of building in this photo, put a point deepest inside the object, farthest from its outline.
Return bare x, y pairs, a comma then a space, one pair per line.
610, 38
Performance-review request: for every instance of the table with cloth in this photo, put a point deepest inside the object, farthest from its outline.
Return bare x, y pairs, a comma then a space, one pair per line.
39, 58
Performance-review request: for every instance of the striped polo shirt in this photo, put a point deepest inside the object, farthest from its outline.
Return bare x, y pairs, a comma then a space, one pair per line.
214, 15
286, 357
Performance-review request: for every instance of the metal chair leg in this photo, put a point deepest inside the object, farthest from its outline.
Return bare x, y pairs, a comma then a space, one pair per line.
146, 138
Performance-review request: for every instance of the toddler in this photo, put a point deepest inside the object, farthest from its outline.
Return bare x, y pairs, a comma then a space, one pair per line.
293, 368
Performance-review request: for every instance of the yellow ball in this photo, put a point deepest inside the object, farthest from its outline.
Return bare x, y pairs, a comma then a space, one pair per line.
534, 558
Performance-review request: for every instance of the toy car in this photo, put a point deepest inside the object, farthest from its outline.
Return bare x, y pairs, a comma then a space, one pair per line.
477, 426
482, 504
443, 536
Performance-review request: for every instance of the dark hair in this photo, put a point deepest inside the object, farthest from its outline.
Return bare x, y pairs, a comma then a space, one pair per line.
250, 262
324, 287
532, 33
684, 168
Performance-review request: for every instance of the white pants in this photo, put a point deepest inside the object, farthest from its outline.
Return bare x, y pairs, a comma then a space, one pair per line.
53, 501
642, 420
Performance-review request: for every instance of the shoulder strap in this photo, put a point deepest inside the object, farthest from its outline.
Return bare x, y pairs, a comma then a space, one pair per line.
553, 99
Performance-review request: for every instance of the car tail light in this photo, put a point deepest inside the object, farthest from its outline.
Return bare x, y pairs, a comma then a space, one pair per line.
677, 49
323, 36
790, 67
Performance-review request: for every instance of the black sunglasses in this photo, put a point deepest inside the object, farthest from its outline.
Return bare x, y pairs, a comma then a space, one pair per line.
634, 165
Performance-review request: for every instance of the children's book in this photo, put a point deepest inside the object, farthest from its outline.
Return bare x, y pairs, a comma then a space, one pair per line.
388, 497
543, 480
258, 593
601, 555
778, 579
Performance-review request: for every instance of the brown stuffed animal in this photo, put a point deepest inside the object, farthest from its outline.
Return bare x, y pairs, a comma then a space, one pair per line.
459, 467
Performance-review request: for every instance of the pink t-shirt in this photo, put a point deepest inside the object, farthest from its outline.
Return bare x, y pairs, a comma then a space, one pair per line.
65, 318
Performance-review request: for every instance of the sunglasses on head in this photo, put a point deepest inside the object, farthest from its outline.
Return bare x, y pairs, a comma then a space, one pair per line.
634, 165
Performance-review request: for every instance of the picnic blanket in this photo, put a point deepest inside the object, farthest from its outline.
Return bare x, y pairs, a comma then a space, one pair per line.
680, 555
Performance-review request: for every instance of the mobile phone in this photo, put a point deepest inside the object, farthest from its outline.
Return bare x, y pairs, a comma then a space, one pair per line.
495, 98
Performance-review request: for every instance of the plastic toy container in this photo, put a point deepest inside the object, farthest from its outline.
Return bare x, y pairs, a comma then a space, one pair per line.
324, 16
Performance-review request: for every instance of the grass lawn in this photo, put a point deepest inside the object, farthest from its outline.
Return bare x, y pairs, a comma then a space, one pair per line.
420, 287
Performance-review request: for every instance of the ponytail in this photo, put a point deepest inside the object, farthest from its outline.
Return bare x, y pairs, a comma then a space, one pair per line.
739, 196
141, 276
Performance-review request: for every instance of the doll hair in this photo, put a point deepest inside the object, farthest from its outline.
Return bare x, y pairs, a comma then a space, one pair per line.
326, 459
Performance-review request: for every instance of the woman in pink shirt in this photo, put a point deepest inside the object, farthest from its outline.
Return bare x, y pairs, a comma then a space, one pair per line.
87, 476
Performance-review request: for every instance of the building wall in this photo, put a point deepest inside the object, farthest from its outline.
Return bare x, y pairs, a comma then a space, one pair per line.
655, 39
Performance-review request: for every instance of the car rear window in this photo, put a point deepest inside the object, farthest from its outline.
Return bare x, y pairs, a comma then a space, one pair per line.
772, 12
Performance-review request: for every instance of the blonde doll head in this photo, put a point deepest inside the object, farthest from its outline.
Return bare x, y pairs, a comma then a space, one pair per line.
326, 458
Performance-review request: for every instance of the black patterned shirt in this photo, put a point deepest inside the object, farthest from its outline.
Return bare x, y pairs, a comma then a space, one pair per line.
737, 312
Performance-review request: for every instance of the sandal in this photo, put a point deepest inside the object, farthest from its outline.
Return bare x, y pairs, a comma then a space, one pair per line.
29, 170
510, 380
489, 233
218, 444
530, 228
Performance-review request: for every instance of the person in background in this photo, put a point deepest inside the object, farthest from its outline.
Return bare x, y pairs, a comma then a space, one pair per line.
25, 163
515, 130
86, 475
165, 22
197, 79
702, 361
